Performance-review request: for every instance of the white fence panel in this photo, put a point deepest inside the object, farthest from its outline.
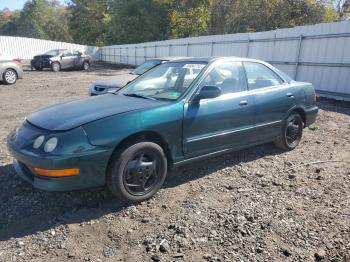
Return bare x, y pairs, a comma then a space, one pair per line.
27, 48
319, 54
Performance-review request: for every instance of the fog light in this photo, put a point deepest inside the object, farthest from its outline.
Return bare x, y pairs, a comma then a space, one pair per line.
57, 173
50, 145
38, 142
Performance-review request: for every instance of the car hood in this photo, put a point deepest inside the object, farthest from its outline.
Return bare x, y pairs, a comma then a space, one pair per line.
68, 115
117, 81
42, 56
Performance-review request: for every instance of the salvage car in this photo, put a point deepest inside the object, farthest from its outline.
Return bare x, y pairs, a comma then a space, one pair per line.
128, 140
10, 69
100, 87
61, 59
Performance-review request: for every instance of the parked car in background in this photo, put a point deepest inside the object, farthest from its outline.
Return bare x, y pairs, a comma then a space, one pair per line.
131, 138
10, 69
61, 59
100, 87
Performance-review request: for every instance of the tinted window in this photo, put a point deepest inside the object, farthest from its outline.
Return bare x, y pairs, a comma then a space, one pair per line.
229, 76
260, 76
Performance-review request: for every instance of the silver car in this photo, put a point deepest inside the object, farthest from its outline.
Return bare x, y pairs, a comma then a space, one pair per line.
100, 87
10, 69
58, 59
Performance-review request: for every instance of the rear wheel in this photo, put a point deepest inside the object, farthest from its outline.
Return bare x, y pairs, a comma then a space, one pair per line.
56, 67
9, 77
137, 172
292, 132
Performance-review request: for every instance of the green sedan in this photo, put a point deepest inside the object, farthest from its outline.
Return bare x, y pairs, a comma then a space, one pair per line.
181, 111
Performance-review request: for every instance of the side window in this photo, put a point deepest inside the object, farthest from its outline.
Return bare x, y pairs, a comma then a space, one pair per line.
76, 53
67, 53
229, 76
260, 76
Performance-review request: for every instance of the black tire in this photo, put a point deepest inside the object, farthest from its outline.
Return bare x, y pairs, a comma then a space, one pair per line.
292, 132
55, 67
137, 172
86, 65
9, 77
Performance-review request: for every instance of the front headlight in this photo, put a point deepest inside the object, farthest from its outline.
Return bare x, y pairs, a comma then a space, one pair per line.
51, 145
112, 90
38, 142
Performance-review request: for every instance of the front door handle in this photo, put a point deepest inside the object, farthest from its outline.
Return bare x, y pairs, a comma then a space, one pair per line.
243, 103
290, 95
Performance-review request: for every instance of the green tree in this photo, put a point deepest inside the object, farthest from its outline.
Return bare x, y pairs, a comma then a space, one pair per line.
43, 19
233, 16
134, 21
89, 21
188, 17
9, 22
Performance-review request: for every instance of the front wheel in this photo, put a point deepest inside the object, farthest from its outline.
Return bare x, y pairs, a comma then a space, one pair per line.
56, 67
292, 132
9, 77
86, 65
138, 172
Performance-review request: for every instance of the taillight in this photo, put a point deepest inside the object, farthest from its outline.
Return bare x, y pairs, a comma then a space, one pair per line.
314, 98
17, 60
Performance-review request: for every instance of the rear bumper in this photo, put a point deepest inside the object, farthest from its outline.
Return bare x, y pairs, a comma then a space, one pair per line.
310, 115
19, 70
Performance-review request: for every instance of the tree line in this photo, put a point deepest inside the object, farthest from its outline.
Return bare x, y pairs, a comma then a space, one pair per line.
107, 22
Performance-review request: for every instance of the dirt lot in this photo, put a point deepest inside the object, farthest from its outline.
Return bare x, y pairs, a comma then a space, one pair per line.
260, 204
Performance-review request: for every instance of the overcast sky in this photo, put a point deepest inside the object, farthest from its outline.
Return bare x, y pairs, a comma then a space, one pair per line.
18, 4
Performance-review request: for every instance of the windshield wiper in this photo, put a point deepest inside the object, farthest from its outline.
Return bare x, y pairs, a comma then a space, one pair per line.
140, 96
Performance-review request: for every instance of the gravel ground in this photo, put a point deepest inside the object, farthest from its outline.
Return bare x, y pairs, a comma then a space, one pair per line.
260, 204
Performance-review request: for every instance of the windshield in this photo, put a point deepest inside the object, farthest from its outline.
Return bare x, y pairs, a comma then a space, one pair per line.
143, 68
53, 52
165, 82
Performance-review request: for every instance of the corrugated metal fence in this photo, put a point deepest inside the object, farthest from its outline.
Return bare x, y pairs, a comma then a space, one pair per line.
26, 48
319, 54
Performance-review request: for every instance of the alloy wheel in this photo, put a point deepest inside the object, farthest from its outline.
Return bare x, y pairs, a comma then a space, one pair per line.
86, 66
10, 76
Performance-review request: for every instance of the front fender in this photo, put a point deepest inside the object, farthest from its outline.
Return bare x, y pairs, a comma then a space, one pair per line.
165, 121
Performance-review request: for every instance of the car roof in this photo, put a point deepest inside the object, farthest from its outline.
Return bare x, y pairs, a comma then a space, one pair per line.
215, 58
171, 58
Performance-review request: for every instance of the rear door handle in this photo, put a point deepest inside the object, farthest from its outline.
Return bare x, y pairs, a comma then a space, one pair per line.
290, 95
243, 103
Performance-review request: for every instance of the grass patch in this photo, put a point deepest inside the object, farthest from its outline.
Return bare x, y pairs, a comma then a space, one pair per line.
314, 127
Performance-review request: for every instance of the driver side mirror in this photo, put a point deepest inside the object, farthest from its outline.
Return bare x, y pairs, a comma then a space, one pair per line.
208, 92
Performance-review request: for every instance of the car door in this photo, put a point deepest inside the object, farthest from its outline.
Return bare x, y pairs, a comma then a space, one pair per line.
67, 59
78, 61
220, 123
273, 99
